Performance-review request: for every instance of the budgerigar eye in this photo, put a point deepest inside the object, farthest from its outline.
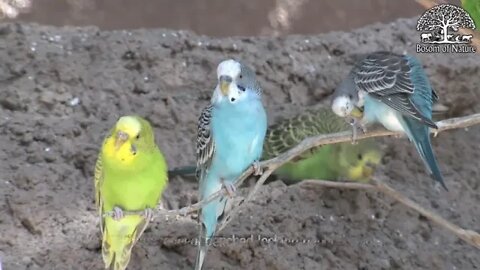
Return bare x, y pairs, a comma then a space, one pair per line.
360, 156
241, 88
138, 136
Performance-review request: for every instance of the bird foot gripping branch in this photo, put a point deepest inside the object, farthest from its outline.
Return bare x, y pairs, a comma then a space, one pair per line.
357, 124
230, 188
117, 213
148, 214
257, 168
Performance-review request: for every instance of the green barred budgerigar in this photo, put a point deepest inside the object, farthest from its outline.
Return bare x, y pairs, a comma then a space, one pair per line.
329, 162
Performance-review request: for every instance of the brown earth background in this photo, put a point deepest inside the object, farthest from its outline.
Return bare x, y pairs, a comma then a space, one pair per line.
49, 144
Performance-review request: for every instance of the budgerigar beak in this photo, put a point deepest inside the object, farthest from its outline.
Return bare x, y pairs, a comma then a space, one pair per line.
369, 169
357, 113
120, 138
224, 82
370, 165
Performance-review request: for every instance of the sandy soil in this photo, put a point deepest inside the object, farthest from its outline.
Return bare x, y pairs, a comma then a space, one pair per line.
49, 143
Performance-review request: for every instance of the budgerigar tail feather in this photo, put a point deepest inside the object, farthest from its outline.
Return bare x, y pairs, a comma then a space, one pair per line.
210, 215
117, 244
420, 136
116, 258
185, 170
202, 248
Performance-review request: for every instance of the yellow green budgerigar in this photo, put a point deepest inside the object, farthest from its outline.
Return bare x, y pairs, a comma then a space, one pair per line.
130, 175
329, 162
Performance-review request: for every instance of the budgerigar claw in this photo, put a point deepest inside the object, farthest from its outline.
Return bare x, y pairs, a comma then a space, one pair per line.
354, 130
354, 136
161, 206
148, 214
230, 188
117, 213
183, 212
357, 124
363, 127
257, 169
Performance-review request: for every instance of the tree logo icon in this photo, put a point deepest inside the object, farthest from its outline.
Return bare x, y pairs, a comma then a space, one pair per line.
440, 24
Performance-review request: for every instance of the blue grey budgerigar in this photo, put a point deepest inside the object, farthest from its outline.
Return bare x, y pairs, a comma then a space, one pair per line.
231, 132
392, 90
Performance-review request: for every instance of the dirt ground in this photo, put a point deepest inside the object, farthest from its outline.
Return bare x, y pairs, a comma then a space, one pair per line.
62, 88
214, 17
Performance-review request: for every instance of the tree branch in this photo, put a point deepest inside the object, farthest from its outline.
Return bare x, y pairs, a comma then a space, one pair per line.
469, 236
272, 164
311, 142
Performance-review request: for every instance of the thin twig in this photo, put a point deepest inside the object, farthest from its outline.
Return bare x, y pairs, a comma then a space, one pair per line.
469, 236
235, 209
308, 143
271, 165
337, 184
176, 212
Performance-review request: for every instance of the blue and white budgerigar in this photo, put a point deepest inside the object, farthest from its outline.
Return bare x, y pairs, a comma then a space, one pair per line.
231, 131
393, 90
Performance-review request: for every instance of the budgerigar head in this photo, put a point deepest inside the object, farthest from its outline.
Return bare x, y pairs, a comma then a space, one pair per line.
359, 161
130, 137
345, 98
236, 82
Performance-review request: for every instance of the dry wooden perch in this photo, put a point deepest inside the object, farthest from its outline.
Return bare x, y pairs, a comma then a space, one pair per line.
271, 165
469, 236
